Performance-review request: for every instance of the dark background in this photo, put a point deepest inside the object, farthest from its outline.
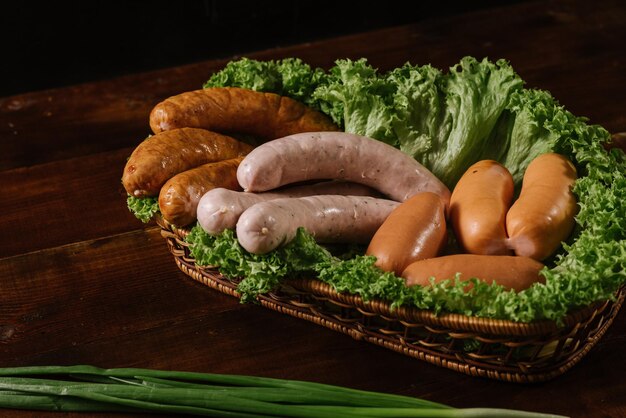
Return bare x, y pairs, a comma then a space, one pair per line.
50, 44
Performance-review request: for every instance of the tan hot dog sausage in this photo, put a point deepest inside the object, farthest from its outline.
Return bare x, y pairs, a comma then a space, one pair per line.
232, 109
179, 197
478, 208
168, 153
415, 230
543, 215
512, 272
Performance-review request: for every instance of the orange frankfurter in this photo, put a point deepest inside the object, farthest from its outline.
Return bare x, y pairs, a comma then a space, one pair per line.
413, 231
543, 215
512, 272
478, 208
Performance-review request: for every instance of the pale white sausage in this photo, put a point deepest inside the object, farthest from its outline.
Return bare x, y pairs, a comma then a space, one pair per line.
337, 155
219, 209
268, 225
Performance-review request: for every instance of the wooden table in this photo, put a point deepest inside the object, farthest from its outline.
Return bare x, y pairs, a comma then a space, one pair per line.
83, 282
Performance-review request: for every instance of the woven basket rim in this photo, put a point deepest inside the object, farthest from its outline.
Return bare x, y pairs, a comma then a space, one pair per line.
456, 321
410, 314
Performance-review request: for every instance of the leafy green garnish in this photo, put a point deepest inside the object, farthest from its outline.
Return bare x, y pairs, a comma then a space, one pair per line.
358, 99
446, 121
261, 273
289, 77
143, 208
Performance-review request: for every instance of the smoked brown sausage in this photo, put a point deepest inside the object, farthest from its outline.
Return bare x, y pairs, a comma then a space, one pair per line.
162, 156
179, 197
237, 110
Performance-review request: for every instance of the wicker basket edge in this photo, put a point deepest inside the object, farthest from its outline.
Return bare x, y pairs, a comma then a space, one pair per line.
491, 326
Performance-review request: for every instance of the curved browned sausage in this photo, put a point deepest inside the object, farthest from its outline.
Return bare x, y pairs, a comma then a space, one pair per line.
232, 109
179, 197
162, 156
543, 216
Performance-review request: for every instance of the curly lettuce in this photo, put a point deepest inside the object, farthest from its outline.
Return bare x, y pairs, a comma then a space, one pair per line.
359, 100
289, 77
461, 110
263, 272
446, 121
143, 208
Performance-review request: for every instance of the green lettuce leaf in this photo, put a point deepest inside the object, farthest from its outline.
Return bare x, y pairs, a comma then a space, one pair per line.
445, 121
421, 119
358, 100
144, 208
247, 73
261, 273
289, 77
536, 124
476, 95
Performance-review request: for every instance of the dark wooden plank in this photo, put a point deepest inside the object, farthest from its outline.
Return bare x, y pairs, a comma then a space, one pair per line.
63, 202
88, 118
121, 302
571, 48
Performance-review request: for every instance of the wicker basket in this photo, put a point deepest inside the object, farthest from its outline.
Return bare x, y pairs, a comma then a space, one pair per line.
497, 349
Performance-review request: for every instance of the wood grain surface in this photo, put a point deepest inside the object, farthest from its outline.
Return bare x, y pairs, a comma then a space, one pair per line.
83, 282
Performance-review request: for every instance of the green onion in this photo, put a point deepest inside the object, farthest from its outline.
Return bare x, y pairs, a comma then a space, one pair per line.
88, 388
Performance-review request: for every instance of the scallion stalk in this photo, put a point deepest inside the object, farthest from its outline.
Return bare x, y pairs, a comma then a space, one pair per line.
88, 388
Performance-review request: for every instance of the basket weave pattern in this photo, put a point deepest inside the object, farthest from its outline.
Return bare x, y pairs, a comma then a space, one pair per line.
496, 349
